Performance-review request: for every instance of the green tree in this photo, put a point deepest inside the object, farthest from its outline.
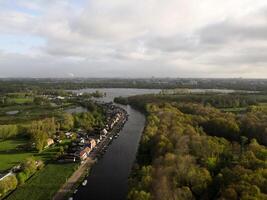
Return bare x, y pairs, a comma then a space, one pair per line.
67, 122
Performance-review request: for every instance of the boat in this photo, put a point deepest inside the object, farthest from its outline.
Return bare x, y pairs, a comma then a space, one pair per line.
84, 183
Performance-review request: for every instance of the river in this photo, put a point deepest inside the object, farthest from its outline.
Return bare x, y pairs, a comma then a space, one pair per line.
108, 179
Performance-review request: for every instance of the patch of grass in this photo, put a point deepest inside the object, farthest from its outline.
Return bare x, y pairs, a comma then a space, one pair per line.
44, 184
27, 113
22, 100
10, 155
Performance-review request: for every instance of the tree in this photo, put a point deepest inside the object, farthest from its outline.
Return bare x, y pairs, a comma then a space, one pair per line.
67, 122
7, 184
8, 131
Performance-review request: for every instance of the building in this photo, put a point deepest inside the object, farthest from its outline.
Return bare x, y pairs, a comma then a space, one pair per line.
84, 153
68, 135
60, 97
91, 143
49, 142
104, 132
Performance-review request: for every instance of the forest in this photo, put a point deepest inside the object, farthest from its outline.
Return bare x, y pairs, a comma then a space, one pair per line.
47, 84
195, 150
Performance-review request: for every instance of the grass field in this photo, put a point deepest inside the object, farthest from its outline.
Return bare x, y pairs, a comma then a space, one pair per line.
45, 183
30, 112
22, 100
10, 155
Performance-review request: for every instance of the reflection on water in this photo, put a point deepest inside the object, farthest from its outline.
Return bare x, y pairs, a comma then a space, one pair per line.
109, 177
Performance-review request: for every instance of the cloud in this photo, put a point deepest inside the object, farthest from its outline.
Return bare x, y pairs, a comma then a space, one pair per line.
134, 38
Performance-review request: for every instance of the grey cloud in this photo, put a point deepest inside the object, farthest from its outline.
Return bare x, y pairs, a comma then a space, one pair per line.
126, 38
227, 31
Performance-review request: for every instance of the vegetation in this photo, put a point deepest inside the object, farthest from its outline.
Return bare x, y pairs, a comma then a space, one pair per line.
28, 120
45, 85
40, 131
12, 152
45, 183
193, 151
7, 184
8, 131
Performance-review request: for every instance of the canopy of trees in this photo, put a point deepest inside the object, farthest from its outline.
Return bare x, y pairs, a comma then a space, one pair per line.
7, 184
40, 131
181, 156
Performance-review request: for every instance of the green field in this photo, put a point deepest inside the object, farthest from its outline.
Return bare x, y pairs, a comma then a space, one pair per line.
10, 155
22, 100
45, 183
27, 113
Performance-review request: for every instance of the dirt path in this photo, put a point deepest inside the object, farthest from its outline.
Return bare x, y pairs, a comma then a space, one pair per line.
68, 186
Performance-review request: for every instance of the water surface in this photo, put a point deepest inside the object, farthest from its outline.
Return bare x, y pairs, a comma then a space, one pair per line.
109, 177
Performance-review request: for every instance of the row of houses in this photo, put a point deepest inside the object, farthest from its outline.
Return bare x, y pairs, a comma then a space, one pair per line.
81, 147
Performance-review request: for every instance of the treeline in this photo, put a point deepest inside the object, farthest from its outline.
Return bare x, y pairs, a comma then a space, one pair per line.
180, 158
216, 100
20, 85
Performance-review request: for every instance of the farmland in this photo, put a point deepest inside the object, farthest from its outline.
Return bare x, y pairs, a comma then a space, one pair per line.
45, 183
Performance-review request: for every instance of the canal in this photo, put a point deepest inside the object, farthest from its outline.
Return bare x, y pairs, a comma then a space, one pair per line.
108, 179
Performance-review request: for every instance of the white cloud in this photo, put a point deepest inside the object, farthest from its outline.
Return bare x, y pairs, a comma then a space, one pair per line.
137, 38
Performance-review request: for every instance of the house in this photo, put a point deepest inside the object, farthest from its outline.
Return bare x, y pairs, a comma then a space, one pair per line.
104, 132
60, 97
84, 153
49, 142
82, 140
68, 135
91, 143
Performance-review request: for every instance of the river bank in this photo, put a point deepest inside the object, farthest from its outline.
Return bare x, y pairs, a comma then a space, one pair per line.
114, 125
108, 178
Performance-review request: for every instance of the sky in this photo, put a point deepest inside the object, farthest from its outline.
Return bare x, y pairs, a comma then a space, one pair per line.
133, 38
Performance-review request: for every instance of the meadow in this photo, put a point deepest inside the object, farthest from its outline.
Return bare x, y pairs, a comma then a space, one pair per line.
10, 155
45, 183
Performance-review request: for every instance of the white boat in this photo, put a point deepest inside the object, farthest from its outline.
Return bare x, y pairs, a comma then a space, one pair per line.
84, 183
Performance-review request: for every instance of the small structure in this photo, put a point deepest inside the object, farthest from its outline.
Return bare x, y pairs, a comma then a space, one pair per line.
104, 132
84, 153
60, 97
49, 142
91, 143
68, 134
